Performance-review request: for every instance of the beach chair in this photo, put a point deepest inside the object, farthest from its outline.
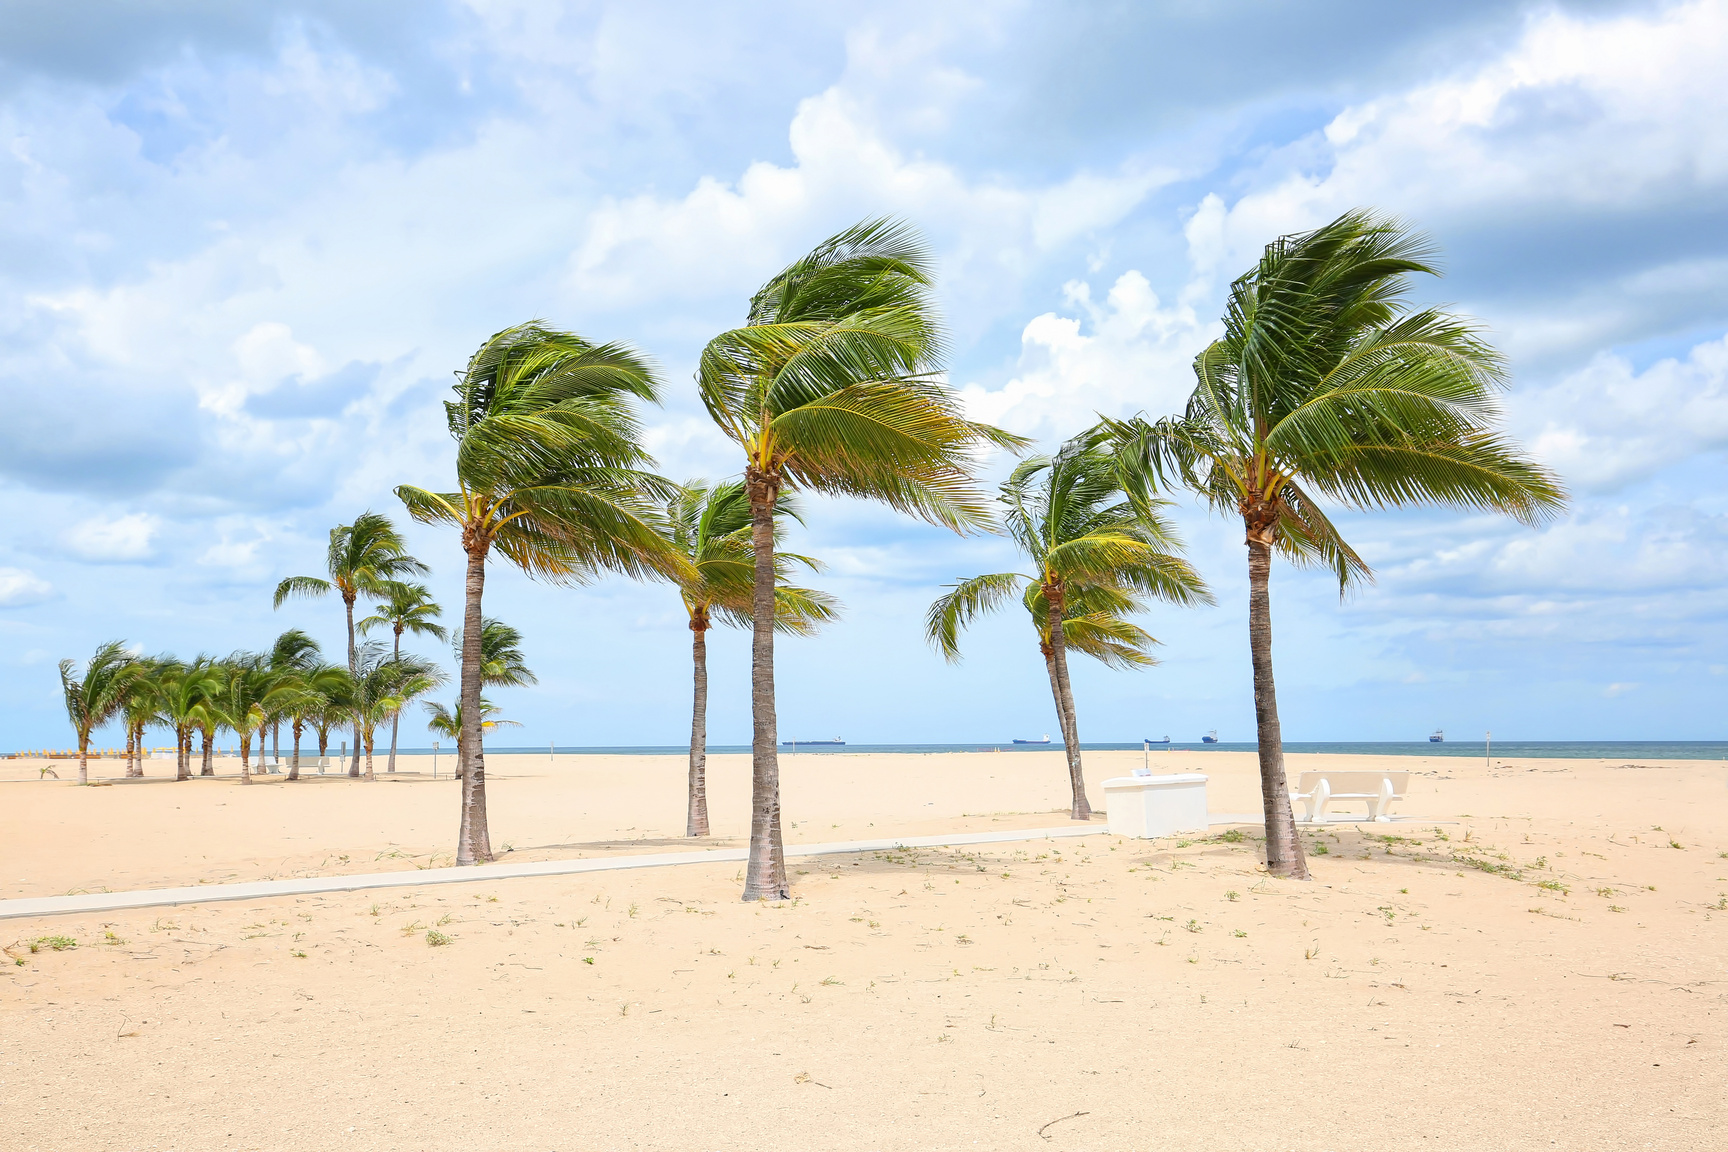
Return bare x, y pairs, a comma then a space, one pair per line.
1317, 790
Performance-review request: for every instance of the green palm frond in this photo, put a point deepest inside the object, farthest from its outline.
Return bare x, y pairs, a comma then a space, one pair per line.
1325, 384
970, 598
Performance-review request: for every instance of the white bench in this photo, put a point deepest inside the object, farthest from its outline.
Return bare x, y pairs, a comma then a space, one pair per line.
1317, 790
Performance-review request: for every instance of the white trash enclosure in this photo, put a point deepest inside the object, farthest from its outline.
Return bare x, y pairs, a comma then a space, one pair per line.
1144, 805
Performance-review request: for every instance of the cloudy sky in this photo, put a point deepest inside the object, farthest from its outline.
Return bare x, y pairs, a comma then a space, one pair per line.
244, 246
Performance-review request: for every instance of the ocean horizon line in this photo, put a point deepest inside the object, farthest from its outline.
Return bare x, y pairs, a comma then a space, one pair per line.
1504, 749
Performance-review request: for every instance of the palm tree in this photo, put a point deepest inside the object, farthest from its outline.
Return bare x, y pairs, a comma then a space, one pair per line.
97, 696
833, 385
1326, 385
448, 722
363, 559
308, 698
1096, 555
384, 687
244, 705
189, 695
710, 527
407, 608
502, 663
549, 472
139, 708
290, 656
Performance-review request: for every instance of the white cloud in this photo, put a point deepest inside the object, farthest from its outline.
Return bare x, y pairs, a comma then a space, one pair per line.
1619, 688
20, 587
1580, 114
729, 235
1606, 424
1130, 352
120, 538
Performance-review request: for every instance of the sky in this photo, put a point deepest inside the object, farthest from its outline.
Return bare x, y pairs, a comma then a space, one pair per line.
244, 247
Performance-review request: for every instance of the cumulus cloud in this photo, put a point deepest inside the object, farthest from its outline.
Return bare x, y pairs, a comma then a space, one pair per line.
113, 539
1607, 425
20, 587
1118, 355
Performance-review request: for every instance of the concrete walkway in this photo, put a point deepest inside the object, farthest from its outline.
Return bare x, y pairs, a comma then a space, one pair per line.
483, 873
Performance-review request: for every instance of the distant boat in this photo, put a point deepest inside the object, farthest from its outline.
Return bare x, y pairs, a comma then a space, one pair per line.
1439, 737
796, 743
1166, 740
1046, 740
1210, 737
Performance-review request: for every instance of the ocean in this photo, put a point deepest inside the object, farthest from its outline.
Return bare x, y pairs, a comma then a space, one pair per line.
1503, 749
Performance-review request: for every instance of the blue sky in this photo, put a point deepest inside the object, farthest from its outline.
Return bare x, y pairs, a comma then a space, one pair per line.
244, 246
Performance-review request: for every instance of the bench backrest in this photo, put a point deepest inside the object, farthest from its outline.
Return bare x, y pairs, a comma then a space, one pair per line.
1356, 781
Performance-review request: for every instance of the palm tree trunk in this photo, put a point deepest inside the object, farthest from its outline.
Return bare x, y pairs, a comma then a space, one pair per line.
369, 774
1080, 809
765, 877
294, 759
1062, 724
354, 671
1283, 849
696, 819
275, 744
246, 756
474, 841
207, 766
83, 757
396, 720
183, 752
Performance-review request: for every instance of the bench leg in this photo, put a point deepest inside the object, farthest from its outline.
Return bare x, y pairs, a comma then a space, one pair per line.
1317, 803
1382, 806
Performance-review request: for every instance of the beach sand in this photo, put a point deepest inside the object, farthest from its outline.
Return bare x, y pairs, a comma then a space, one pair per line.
1536, 958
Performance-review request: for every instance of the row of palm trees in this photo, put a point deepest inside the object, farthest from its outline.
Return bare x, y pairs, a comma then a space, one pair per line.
246, 694
251, 693
1325, 385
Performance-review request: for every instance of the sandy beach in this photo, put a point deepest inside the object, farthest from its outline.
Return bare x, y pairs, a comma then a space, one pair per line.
1535, 958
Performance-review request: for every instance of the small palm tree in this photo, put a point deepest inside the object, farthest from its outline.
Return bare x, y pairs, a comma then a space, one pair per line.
290, 656
549, 472
1097, 556
139, 708
363, 559
407, 608
309, 699
710, 527
97, 696
190, 695
244, 705
384, 687
447, 722
502, 662
1326, 386
833, 385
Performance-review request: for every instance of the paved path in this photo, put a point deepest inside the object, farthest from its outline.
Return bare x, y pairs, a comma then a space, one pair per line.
310, 885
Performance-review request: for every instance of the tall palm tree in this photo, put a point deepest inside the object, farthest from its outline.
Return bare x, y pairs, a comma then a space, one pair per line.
406, 608
1326, 385
1097, 556
97, 696
550, 472
833, 385
363, 558
710, 526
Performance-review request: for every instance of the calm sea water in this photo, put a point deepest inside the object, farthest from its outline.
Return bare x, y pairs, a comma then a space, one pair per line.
1506, 749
